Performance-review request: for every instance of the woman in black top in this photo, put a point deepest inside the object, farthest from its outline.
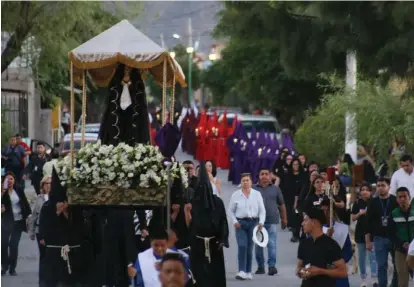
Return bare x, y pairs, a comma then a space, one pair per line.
316, 193
358, 214
291, 185
340, 202
15, 209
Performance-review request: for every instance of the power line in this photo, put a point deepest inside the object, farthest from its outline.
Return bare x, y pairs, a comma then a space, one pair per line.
194, 12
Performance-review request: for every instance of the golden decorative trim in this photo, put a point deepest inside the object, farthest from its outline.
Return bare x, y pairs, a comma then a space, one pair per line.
164, 93
118, 58
83, 107
72, 117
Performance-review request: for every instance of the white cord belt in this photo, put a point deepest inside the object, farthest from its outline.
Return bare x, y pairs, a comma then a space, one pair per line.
206, 246
186, 248
64, 253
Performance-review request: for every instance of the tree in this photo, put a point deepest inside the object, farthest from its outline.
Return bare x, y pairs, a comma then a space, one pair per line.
181, 94
381, 116
6, 130
52, 29
277, 50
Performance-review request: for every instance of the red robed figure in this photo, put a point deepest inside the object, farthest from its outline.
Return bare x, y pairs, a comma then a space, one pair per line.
222, 151
233, 126
211, 138
201, 133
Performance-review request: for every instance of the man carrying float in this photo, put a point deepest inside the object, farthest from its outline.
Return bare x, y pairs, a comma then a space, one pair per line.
122, 172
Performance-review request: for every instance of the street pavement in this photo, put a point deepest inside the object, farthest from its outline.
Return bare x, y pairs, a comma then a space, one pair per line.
286, 254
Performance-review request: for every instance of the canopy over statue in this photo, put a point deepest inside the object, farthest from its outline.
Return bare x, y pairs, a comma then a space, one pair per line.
125, 44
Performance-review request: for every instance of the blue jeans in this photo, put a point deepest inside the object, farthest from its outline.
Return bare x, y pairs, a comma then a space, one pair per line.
382, 247
244, 238
271, 247
346, 180
362, 261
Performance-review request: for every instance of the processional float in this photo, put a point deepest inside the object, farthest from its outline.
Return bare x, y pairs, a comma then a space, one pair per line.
120, 175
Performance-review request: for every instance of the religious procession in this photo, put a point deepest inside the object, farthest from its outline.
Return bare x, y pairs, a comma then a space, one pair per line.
204, 186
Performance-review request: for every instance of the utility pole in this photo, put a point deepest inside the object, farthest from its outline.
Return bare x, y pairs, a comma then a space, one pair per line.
162, 41
350, 122
190, 51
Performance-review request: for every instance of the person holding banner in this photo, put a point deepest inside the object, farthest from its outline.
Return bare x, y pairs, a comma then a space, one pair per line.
340, 233
320, 260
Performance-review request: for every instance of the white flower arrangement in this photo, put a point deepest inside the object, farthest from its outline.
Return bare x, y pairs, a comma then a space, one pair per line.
178, 171
122, 165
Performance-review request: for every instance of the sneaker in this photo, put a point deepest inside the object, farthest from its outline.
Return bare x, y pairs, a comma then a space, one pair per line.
241, 275
260, 270
272, 271
249, 276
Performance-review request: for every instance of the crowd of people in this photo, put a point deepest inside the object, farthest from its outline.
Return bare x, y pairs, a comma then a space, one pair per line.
120, 247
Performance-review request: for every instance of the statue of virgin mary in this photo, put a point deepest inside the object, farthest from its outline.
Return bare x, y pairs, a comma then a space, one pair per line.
126, 116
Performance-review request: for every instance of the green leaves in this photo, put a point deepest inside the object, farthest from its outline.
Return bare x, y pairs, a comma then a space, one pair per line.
381, 116
57, 28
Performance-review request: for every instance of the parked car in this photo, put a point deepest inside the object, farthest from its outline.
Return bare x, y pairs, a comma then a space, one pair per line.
221, 110
89, 128
64, 147
268, 124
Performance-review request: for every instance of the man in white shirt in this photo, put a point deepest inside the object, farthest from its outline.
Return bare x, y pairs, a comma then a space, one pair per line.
247, 211
404, 177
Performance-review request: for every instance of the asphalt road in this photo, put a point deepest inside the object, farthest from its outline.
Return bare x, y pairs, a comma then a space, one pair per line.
286, 255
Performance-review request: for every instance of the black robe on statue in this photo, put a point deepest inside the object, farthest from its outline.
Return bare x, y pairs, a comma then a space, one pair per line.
209, 224
130, 126
113, 228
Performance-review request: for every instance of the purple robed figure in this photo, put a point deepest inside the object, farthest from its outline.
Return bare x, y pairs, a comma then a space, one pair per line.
241, 158
275, 152
251, 153
233, 143
287, 142
168, 138
257, 156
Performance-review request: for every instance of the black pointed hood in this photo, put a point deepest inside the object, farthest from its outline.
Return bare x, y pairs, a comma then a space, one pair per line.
57, 191
177, 190
204, 190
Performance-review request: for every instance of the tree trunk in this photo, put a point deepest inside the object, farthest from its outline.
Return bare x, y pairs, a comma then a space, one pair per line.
14, 45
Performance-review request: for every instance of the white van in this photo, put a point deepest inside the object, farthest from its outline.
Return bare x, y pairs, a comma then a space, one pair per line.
269, 124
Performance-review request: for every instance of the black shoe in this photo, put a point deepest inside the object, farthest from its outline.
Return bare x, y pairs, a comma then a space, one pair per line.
272, 271
3, 271
12, 273
260, 271
375, 284
294, 239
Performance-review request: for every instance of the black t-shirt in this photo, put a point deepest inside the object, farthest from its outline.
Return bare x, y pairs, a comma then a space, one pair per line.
377, 210
313, 200
361, 225
322, 253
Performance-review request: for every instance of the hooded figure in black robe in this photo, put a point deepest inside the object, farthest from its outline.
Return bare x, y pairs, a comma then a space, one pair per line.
58, 231
209, 230
167, 139
125, 120
130, 123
